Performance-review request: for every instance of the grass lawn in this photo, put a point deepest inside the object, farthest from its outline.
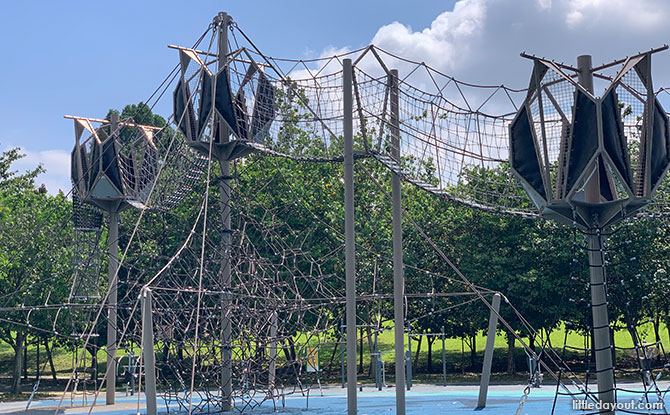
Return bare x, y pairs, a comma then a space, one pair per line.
458, 362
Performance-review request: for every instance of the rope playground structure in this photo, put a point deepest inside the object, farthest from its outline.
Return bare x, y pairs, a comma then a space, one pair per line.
229, 314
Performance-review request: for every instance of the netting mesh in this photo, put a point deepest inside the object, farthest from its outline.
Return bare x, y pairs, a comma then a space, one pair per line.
286, 295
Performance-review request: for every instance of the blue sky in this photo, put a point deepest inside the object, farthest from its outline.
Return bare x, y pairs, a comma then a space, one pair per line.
85, 57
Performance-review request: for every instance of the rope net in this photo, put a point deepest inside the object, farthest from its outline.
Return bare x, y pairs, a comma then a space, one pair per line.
287, 289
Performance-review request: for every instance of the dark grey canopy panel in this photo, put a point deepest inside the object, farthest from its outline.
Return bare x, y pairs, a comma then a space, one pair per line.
75, 167
660, 144
605, 181
183, 110
95, 160
613, 136
205, 108
110, 164
223, 100
584, 137
524, 157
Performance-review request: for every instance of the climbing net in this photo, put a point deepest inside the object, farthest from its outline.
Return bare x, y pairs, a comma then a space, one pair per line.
286, 293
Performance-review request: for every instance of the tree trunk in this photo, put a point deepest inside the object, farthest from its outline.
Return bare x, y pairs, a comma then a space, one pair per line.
463, 355
473, 351
431, 340
287, 354
18, 362
418, 352
511, 362
37, 359
25, 359
166, 352
94, 363
371, 367
360, 351
329, 368
531, 341
50, 358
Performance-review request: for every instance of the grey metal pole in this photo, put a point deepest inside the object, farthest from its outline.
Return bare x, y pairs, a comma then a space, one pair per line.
223, 20
113, 266
408, 360
408, 369
601, 324
378, 369
148, 353
444, 361
349, 241
342, 350
488, 354
601, 329
398, 277
273, 353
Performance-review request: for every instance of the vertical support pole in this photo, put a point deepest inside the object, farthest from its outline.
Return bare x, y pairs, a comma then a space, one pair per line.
444, 361
408, 358
342, 350
273, 353
350, 253
601, 328
378, 364
113, 266
601, 324
398, 277
223, 20
488, 354
408, 369
25, 358
148, 353
37, 366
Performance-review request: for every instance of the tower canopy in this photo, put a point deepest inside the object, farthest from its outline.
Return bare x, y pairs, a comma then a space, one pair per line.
223, 100
115, 167
586, 159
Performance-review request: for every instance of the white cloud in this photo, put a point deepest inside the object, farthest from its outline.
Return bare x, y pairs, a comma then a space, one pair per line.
480, 40
644, 15
55, 162
444, 42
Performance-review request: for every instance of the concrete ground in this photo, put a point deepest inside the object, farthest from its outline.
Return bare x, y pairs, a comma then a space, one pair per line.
421, 400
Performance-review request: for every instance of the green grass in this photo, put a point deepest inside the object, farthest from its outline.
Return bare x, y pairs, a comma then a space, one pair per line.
457, 362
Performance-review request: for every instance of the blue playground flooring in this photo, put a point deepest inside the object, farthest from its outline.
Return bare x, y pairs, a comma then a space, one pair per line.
421, 400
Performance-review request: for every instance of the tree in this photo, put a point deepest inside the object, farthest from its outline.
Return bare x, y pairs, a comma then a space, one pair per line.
30, 220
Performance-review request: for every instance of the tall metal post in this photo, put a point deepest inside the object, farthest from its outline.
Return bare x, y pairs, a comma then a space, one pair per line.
342, 354
378, 363
223, 20
408, 358
444, 361
113, 266
273, 353
601, 324
488, 354
349, 241
398, 277
601, 327
148, 352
